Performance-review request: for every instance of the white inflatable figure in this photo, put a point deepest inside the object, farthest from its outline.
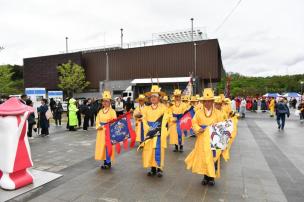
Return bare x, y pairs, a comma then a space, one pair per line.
15, 154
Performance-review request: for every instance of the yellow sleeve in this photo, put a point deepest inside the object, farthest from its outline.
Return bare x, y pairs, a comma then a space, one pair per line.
144, 119
195, 123
114, 116
97, 121
169, 115
165, 121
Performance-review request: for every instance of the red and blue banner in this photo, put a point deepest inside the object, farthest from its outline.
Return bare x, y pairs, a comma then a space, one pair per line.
185, 122
119, 130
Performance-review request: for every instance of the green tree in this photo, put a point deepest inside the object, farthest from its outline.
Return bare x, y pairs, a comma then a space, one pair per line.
72, 78
9, 85
253, 86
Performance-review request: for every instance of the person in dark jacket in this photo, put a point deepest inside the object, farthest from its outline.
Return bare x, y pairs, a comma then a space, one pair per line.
281, 111
58, 113
23, 99
87, 111
129, 105
294, 102
43, 121
263, 105
301, 109
255, 105
31, 121
68, 104
52, 105
90, 104
96, 107
78, 113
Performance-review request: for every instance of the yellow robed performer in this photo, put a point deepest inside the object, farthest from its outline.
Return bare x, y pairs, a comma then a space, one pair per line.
224, 108
153, 155
199, 102
177, 109
218, 104
105, 115
271, 107
227, 107
194, 102
201, 159
186, 99
165, 101
138, 113
226, 152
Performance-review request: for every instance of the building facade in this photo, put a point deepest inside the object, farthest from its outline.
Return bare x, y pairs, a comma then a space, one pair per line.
201, 58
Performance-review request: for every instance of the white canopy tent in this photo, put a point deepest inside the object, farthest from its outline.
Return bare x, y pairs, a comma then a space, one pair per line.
291, 94
272, 95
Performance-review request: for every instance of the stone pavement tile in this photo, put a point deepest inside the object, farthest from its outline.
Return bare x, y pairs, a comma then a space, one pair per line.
295, 192
230, 197
250, 199
219, 188
122, 194
255, 192
170, 196
274, 189
195, 192
71, 192
276, 197
97, 192
57, 168
210, 196
46, 199
87, 198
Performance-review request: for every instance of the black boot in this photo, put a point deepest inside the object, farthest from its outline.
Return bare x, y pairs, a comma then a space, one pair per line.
106, 165
152, 172
211, 181
181, 148
205, 180
176, 148
159, 172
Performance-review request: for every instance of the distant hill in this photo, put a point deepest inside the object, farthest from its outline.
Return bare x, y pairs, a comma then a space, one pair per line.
247, 85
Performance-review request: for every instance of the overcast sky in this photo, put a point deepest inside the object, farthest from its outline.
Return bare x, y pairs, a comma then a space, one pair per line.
261, 38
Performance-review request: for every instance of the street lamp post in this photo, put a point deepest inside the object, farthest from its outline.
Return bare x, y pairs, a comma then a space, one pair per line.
121, 37
107, 68
195, 44
192, 29
302, 83
66, 44
106, 83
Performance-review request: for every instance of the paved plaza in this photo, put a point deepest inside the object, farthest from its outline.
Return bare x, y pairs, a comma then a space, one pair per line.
265, 165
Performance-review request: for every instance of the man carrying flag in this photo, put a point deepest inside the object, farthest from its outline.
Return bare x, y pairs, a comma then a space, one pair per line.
202, 159
155, 118
178, 109
105, 115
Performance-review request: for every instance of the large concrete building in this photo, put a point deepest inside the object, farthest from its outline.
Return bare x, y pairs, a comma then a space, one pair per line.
202, 58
